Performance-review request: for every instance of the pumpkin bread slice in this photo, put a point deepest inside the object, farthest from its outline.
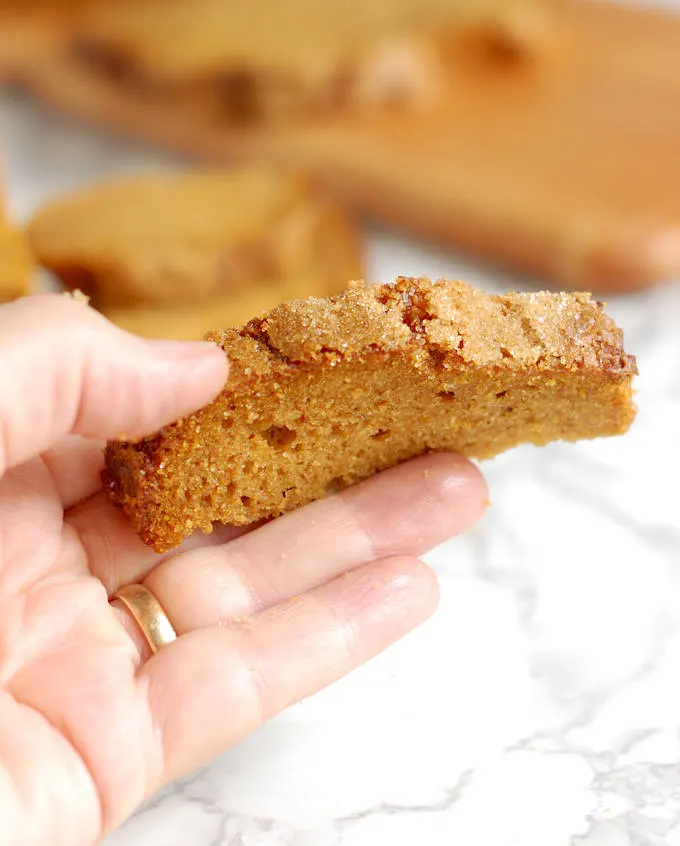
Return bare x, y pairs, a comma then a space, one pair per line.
325, 392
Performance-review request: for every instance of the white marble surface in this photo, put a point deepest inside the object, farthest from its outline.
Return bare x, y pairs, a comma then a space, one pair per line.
541, 705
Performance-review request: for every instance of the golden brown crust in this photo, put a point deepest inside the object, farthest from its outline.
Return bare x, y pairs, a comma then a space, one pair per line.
323, 393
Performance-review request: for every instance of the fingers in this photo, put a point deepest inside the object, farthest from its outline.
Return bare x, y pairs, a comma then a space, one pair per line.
115, 554
211, 687
403, 511
406, 510
64, 369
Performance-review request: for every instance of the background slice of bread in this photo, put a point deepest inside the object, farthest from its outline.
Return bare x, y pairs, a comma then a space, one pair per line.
323, 393
191, 321
173, 255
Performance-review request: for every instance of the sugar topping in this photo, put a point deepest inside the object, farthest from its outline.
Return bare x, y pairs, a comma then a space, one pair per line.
446, 318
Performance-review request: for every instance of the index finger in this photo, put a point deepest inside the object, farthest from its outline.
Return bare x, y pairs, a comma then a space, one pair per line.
64, 369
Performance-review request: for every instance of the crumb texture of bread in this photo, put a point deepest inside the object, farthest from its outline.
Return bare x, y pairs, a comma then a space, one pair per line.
325, 392
164, 239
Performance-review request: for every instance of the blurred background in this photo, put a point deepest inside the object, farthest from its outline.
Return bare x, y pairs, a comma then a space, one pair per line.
182, 160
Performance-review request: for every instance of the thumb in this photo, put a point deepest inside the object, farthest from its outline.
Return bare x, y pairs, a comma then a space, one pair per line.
65, 369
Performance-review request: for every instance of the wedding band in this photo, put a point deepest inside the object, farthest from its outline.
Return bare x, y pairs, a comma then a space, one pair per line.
149, 615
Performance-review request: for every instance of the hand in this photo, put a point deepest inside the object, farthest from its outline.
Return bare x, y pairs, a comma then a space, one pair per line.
90, 722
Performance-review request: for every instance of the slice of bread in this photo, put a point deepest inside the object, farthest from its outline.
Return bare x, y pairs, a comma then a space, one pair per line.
173, 255
323, 393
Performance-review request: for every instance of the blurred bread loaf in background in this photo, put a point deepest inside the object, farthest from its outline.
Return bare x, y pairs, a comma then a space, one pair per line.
177, 254
540, 135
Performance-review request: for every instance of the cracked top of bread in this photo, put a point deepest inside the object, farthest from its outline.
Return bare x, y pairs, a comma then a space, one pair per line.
466, 325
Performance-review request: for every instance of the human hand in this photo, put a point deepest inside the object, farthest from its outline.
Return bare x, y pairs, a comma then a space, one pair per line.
91, 722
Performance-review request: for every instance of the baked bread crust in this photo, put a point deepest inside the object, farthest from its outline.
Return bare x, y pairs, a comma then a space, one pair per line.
323, 393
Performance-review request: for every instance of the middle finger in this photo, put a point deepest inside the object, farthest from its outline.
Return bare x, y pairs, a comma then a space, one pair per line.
403, 511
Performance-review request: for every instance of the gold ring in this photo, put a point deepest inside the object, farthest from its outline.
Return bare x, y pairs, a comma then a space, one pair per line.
149, 615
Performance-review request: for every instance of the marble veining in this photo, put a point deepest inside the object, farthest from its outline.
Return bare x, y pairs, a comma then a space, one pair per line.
541, 705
